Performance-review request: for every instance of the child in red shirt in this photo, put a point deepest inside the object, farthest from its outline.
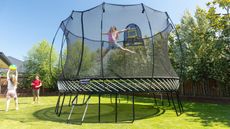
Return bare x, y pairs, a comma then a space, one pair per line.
36, 84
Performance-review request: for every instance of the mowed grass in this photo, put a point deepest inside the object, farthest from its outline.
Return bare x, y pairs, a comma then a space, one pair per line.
148, 115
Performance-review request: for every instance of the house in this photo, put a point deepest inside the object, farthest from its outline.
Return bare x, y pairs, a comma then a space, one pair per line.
4, 61
18, 63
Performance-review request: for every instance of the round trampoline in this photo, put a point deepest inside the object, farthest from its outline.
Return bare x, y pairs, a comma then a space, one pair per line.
137, 62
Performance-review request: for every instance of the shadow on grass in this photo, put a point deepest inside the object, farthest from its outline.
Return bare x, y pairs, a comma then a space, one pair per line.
107, 113
208, 114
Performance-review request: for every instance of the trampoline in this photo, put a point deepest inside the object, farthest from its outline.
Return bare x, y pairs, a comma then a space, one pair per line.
84, 69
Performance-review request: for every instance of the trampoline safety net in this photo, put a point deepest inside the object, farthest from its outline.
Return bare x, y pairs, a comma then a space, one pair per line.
86, 52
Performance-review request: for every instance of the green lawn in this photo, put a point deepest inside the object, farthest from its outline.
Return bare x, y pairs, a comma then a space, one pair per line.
42, 116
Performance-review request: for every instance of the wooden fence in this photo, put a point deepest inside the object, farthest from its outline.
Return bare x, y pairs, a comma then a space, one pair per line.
208, 88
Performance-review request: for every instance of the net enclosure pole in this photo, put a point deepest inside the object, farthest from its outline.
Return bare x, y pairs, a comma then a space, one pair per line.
150, 28
50, 56
65, 34
181, 49
83, 43
102, 42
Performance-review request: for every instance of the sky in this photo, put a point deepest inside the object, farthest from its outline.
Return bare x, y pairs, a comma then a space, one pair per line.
24, 23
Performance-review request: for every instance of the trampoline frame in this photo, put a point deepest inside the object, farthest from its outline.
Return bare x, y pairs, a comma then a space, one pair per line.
101, 86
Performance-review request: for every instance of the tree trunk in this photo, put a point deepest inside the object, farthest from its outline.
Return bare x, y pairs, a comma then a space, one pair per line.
220, 89
208, 87
204, 90
182, 88
193, 87
227, 90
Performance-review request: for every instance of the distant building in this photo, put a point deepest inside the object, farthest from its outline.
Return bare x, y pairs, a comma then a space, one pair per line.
18, 63
6, 61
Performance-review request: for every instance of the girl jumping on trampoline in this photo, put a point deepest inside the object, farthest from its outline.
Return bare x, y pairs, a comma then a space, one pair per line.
113, 35
11, 89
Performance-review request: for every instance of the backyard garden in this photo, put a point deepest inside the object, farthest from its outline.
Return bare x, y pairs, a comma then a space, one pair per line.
157, 74
148, 115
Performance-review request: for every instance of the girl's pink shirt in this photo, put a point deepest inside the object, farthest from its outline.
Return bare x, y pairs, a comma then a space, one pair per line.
112, 36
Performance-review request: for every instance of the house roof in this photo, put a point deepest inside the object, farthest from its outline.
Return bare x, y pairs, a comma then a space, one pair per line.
18, 63
4, 61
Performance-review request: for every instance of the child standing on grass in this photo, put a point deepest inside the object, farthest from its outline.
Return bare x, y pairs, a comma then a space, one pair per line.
36, 84
12, 82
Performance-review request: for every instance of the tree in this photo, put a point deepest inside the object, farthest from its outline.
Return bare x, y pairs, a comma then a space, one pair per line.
37, 62
120, 63
205, 43
220, 23
77, 63
147, 61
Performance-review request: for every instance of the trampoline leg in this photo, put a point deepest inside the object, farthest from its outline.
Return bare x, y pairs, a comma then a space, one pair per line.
162, 103
73, 106
133, 107
155, 100
119, 98
70, 113
57, 105
99, 108
75, 99
70, 99
62, 104
179, 103
174, 103
111, 101
127, 98
87, 104
168, 99
116, 108
83, 101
